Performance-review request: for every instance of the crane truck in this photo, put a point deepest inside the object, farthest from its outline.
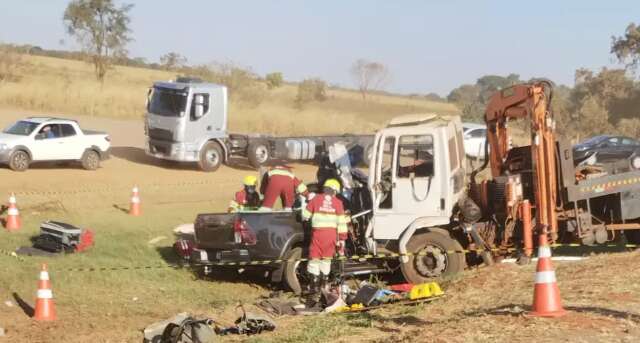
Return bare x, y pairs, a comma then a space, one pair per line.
416, 201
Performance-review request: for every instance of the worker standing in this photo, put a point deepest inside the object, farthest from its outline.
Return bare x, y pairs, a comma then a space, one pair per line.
248, 197
280, 182
329, 230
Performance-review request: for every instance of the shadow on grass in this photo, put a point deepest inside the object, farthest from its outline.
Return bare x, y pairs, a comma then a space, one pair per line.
139, 156
121, 208
251, 276
516, 310
28, 309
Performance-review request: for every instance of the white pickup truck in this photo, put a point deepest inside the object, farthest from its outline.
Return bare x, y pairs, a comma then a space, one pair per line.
37, 139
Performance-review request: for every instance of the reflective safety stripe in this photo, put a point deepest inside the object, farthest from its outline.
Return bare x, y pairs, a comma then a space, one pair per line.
45, 294
44, 275
544, 251
13, 212
343, 220
301, 188
280, 172
12, 199
546, 277
324, 220
135, 200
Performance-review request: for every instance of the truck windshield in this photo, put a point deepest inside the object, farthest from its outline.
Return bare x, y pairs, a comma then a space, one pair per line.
167, 102
22, 128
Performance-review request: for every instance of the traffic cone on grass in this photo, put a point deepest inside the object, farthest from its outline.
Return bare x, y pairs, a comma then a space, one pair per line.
12, 222
134, 207
45, 309
546, 295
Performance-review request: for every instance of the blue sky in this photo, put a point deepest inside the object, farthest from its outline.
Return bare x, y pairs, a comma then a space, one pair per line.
429, 46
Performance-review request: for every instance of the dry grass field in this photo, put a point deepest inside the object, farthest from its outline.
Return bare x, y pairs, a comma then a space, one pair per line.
601, 293
66, 86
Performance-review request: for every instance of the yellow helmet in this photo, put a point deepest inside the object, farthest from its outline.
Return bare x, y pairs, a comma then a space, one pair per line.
250, 180
333, 184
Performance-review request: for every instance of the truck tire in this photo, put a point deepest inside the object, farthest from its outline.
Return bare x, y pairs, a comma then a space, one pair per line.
439, 261
211, 157
258, 153
90, 160
19, 160
633, 236
294, 271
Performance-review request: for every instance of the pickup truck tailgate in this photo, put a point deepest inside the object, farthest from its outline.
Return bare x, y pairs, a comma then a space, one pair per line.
215, 231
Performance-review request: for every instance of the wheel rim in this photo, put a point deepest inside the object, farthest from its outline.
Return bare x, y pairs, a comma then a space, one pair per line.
262, 153
212, 157
21, 161
93, 160
431, 262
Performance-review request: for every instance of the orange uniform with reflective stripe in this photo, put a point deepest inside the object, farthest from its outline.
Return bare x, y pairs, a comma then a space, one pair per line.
280, 182
329, 223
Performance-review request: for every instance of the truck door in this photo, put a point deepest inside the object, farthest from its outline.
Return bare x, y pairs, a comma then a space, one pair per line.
72, 146
47, 143
409, 177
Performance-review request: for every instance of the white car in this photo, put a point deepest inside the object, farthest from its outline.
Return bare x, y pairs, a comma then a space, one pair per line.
38, 139
474, 137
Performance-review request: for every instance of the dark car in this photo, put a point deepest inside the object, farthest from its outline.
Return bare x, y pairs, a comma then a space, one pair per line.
605, 149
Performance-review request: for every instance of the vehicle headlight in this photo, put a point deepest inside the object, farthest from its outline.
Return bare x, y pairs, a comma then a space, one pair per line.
3, 147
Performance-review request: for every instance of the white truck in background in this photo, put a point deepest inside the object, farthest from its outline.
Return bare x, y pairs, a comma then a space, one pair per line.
186, 121
46, 139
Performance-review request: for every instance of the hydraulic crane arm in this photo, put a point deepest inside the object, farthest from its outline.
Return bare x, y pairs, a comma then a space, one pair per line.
527, 101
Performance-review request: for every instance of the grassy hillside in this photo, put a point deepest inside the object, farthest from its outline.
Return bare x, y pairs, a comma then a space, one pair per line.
66, 86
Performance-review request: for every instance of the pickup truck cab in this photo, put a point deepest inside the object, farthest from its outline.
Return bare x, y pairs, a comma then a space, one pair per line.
40, 139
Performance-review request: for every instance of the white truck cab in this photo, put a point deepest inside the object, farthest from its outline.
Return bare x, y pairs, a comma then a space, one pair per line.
416, 179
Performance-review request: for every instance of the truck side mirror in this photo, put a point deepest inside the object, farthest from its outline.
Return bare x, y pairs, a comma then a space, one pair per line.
199, 103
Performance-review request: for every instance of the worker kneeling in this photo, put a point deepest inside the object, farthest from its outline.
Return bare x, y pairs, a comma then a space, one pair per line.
248, 197
329, 230
280, 182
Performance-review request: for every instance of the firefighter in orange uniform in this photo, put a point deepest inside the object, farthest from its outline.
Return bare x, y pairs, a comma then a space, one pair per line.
248, 197
329, 230
280, 182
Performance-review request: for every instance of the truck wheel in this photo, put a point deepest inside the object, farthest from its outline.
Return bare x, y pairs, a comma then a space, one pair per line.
258, 153
91, 160
295, 272
435, 258
633, 236
19, 160
211, 157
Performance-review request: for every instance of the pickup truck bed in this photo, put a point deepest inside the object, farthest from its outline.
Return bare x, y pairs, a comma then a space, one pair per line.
265, 236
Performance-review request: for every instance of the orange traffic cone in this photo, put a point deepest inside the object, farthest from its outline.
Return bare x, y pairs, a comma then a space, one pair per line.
45, 309
13, 215
546, 295
134, 207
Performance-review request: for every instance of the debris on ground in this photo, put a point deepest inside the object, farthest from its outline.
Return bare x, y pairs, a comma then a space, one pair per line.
153, 332
185, 240
156, 240
2, 332
56, 237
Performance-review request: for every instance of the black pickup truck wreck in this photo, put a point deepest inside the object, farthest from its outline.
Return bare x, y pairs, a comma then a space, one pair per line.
274, 236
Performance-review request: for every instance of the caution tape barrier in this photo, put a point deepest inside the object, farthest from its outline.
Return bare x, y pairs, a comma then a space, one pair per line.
357, 258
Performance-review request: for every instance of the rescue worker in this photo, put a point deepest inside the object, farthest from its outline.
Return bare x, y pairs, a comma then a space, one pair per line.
328, 231
248, 197
280, 182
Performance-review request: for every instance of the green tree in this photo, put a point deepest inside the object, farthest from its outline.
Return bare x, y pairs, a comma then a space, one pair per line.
101, 28
467, 99
274, 80
627, 48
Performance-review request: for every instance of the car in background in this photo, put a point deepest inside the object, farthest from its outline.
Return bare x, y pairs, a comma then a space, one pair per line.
40, 139
474, 139
605, 149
